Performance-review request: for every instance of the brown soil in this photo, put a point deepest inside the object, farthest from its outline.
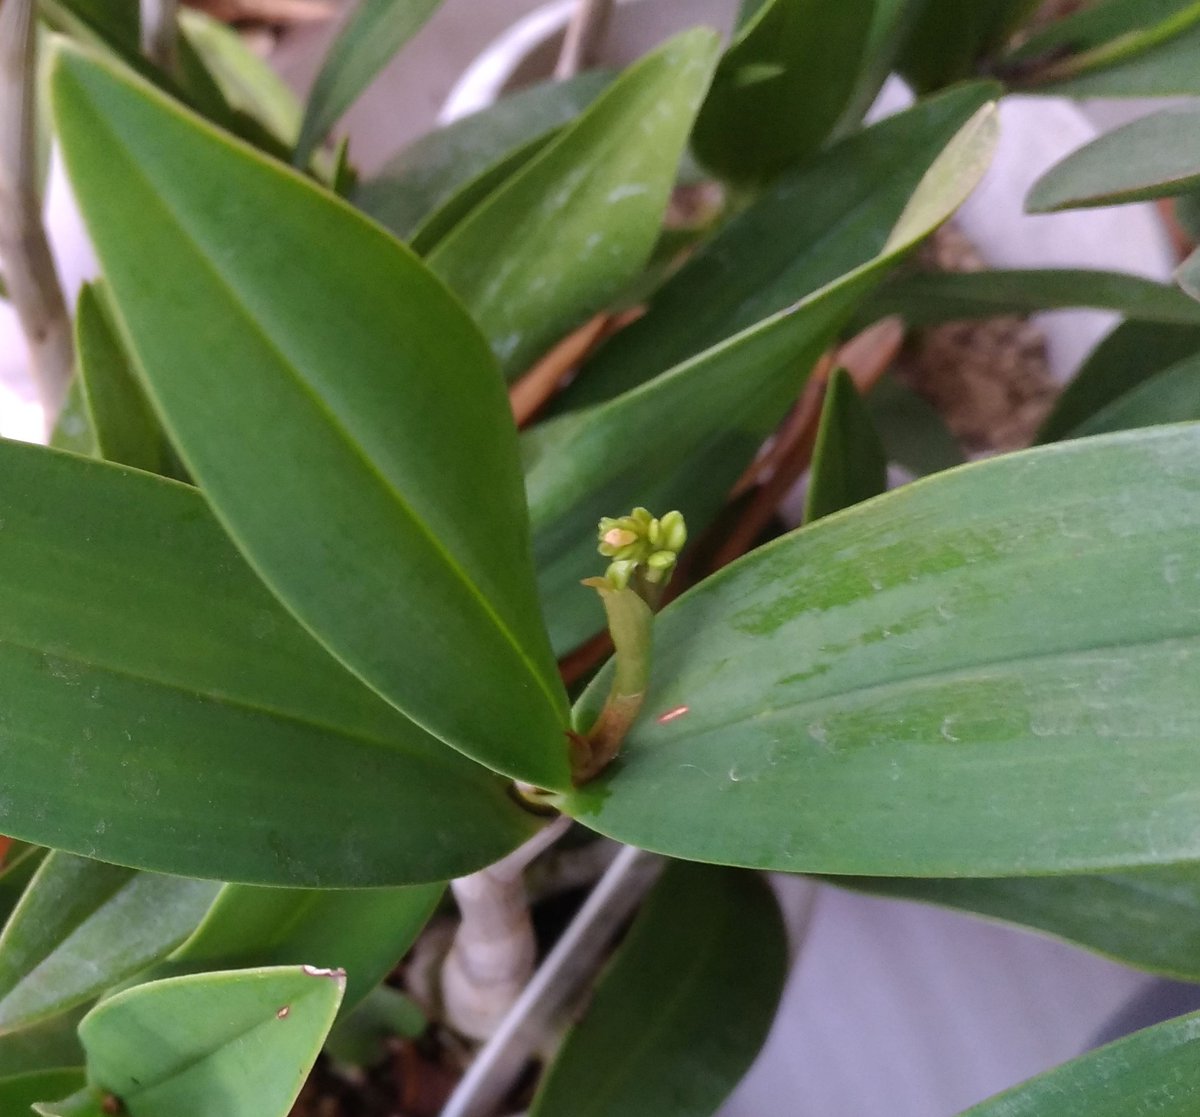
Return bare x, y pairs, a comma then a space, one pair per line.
989, 379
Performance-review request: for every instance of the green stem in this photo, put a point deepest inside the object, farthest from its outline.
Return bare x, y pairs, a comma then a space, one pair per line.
630, 622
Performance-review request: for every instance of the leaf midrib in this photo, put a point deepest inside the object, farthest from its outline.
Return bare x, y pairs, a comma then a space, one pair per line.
474, 594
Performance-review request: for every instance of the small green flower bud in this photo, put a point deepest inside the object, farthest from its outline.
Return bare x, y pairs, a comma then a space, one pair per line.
674, 532
619, 573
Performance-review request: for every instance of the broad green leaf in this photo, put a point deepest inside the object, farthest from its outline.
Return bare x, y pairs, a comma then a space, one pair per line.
913, 433
363, 932
565, 234
119, 416
1149, 918
19, 1093
922, 685
781, 87
1169, 396
950, 38
1152, 1073
681, 439
356, 502
684, 1007
849, 463
1154, 157
1127, 357
480, 150
373, 33
810, 227
1117, 48
891, 26
82, 927
235, 1044
140, 658
44, 1047
248, 83
928, 298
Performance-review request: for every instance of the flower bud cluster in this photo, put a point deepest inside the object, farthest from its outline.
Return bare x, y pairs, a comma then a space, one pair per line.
643, 544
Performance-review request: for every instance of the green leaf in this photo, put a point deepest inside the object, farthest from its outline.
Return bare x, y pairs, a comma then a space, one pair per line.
125, 428
1154, 157
361, 1036
1153, 1073
19, 1093
913, 433
1149, 918
1118, 48
791, 53
950, 38
1127, 357
139, 655
929, 298
248, 83
16, 871
468, 159
1188, 275
891, 26
364, 933
562, 237
1169, 396
808, 229
373, 33
684, 1007
355, 503
44, 1047
849, 464
73, 428
82, 927
681, 439
237, 1044
922, 686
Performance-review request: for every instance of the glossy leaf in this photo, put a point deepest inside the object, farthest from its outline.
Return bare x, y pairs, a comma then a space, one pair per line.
1147, 918
950, 38
246, 81
407, 557
19, 1093
1117, 48
684, 1007
563, 236
849, 464
928, 298
812, 226
1188, 275
922, 686
1127, 357
128, 720
684, 436
236, 1044
471, 157
363, 932
914, 435
1154, 157
1153, 1073
373, 33
82, 927
791, 53
125, 428
1169, 396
